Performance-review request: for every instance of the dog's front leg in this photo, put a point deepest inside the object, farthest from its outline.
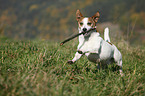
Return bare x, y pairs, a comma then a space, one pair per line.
77, 56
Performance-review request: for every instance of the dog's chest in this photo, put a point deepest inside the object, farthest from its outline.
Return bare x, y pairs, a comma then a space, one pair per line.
89, 43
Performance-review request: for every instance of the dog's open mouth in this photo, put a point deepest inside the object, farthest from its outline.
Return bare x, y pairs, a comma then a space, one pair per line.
86, 33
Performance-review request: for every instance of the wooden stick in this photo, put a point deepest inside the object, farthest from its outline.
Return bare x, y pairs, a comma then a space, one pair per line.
71, 38
75, 36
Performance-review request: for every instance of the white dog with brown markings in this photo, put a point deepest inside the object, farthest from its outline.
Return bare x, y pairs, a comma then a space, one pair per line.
93, 46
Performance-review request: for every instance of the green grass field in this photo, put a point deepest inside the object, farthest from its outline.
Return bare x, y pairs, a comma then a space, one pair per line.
39, 68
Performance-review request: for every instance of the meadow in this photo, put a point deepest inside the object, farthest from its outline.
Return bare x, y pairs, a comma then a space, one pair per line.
39, 68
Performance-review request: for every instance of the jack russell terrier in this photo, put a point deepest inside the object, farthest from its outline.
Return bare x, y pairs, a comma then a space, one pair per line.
93, 46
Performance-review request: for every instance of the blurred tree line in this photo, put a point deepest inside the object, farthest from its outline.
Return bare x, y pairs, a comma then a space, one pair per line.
55, 19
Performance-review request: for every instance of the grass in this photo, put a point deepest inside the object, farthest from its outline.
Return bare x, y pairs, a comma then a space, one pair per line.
39, 68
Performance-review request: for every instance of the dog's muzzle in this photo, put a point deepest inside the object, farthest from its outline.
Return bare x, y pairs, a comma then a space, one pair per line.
86, 33
84, 29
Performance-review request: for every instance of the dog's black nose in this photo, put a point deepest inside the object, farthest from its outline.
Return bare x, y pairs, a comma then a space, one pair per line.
84, 29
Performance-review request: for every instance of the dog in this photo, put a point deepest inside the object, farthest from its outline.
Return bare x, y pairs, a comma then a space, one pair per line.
93, 46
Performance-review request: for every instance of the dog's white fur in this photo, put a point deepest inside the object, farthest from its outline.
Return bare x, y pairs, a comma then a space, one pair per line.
95, 48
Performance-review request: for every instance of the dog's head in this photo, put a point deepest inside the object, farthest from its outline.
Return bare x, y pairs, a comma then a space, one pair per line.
86, 23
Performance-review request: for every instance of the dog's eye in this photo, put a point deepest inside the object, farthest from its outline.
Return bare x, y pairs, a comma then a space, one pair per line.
81, 23
89, 23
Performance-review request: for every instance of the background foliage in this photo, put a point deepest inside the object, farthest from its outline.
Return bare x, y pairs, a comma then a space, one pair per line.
55, 19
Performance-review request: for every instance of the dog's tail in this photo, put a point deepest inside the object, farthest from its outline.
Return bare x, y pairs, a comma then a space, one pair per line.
106, 34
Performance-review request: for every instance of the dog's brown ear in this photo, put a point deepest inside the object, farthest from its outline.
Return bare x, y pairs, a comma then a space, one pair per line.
78, 15
96, 17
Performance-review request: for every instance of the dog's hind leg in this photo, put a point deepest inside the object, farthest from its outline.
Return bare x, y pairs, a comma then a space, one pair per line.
119, 63
118, 60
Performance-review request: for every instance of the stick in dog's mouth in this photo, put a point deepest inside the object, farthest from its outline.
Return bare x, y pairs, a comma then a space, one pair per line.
84, 32
71, 38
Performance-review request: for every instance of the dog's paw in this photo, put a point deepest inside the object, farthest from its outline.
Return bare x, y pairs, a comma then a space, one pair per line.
70, 62
80, 52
